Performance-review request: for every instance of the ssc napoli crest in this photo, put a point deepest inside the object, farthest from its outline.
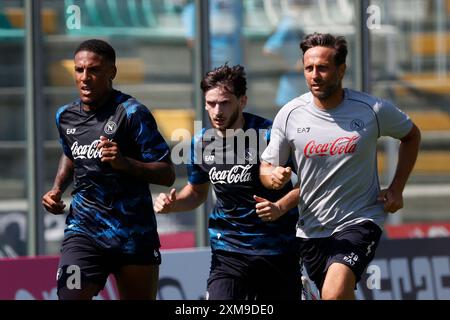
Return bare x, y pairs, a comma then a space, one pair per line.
110, 127
357, 125
250, 154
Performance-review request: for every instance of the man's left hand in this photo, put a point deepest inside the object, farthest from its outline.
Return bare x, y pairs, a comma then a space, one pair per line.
266, 210
393, 200
110, 153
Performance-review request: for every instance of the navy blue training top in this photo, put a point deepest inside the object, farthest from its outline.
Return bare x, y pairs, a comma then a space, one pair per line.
113, 208
232, 166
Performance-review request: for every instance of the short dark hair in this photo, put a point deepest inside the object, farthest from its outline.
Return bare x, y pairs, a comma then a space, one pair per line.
338, 43
100, 47
232, 79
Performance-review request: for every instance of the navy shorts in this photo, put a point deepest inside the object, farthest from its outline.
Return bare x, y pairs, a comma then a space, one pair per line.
354, 246
94, 262
236, 276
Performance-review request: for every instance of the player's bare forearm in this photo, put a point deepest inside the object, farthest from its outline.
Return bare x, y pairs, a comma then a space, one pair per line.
265, 171
64, 175
161, 173
270, 211
52, 199
407, 155
290, 200
278, 177
191, 196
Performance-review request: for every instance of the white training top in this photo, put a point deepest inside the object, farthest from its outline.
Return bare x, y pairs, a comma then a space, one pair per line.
334, 154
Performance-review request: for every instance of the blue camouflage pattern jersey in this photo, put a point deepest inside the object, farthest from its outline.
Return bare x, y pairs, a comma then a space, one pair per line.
113, 208
233, 170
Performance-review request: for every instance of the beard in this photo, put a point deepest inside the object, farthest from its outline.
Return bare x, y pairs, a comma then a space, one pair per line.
227, 124
327, 90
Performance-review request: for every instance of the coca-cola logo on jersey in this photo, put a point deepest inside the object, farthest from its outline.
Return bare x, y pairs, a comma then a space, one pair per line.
237, 174
342, 145
86, 151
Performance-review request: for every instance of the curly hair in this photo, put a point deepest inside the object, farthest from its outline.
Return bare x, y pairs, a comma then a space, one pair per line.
232, 79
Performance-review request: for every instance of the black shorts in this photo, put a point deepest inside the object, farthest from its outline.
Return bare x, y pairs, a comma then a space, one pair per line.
236, 276
354, 246
94, 262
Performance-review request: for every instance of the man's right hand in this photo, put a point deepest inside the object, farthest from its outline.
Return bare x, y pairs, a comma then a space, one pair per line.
165, 202
280, 176
52, 202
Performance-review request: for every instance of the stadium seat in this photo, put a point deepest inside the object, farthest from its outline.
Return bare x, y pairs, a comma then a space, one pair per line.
136, 18
16, 17
422, 82
170, 120
7, 30
426, 43
129, 71
4, 21
428, 163
431, 120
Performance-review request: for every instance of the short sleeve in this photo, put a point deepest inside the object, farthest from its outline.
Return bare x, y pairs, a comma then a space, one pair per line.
278, 150
196, 175
391, 120
66, 148
153, 147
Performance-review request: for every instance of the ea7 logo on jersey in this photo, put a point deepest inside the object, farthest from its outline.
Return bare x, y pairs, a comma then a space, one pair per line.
71, 130
110, 127
303, 130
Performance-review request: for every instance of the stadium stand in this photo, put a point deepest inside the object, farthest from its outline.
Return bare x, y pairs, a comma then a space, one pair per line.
155, 65
130, 71
170, 120
16, 18
429, 43
7, 30
429, 163
136, 18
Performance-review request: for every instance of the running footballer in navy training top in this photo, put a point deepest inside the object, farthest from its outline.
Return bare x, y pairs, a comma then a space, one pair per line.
112, 151
109, 205
233, 223
252, 229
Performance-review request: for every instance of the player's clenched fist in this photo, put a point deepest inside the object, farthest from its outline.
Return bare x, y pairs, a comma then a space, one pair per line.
392, 199
165, 202
110, 153
266, 210
52, 202
280, 176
